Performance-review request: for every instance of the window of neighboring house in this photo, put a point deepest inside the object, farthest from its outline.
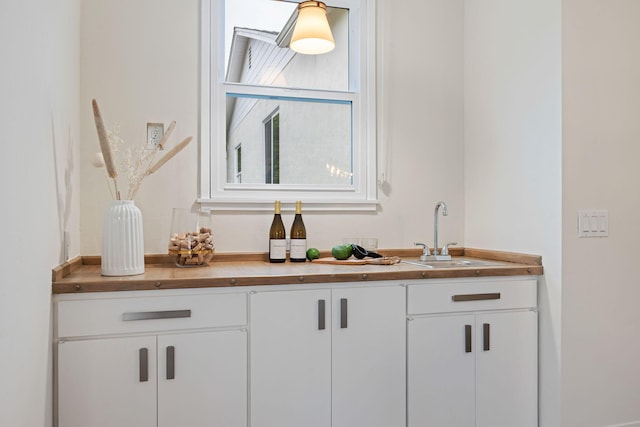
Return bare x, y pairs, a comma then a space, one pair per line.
272, 149
239, 163
324, 151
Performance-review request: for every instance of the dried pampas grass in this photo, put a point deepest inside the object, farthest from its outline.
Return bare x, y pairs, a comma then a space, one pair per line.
175, 150
105, 147
138, 162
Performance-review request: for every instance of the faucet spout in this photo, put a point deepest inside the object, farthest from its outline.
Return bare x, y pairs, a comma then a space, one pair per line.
439, 205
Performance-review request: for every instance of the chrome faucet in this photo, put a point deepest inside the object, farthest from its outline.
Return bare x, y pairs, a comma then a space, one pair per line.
437, 256
435, 224
426, 254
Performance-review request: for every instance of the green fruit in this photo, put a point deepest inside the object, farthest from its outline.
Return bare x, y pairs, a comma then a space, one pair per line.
348, 248
313, 253
341, 251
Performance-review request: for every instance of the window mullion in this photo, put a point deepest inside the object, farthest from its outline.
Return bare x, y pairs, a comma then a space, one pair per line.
269, 91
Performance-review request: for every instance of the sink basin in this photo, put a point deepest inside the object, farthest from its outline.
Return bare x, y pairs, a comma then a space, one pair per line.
454, 263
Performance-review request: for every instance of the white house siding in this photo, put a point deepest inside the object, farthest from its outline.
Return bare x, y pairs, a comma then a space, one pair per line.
314, 137
305, 150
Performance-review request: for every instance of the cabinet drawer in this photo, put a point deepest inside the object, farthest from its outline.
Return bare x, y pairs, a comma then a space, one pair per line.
148, 314
456, 297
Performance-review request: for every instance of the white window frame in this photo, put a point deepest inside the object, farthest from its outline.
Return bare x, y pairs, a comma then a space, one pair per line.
216, 193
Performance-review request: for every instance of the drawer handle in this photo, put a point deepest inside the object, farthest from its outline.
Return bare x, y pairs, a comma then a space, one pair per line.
486, 333
151, 315
343, 313
475, 297
171, 362
321, 314
143, 356
467, 338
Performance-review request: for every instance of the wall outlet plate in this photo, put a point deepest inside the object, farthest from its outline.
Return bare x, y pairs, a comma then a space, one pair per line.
155, 132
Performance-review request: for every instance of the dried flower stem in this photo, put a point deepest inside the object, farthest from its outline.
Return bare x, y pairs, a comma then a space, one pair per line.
175, 150
151, 168
109, 187
105, 147
166, 135
135, 162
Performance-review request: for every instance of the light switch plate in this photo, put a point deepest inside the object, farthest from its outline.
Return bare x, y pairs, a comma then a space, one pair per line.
593, 223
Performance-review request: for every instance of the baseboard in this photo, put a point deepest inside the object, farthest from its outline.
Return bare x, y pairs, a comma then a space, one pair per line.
631, 424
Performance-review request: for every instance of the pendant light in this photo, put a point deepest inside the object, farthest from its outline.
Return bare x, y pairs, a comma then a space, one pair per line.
312, 35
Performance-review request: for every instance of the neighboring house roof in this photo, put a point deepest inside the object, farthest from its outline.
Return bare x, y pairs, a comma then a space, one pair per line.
239, 45
254, 58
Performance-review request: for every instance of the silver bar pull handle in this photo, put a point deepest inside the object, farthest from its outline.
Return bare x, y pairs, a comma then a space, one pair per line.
467, 338
486, 336
343, 313
321, 315
475, 297
151, 315
143, 358
171, 362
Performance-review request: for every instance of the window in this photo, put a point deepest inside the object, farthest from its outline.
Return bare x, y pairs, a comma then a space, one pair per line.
306, 122
272, 149
239, 163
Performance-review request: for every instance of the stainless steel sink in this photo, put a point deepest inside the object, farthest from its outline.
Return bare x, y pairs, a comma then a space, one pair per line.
454, 263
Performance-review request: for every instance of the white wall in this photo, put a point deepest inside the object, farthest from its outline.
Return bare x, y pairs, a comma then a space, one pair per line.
512, 128
140, 60
39, 175
511, 173
600, 285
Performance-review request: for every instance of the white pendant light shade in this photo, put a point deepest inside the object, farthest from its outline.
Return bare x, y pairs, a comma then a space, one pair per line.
312, 34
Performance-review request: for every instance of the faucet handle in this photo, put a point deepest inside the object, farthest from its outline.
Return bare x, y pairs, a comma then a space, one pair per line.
445, 249
425, 249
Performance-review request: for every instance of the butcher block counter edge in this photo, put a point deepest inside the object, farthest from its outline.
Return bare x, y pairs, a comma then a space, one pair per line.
82, 274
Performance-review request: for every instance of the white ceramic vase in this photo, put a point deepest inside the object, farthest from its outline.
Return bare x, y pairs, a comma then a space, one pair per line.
122, 240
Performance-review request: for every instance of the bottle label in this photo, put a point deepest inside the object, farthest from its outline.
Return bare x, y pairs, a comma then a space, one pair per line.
277, 249
298, 249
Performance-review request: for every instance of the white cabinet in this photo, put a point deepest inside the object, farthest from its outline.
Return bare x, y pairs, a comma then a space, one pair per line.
441, 375
290, 359
472, 355
99, 383
369, 357
437, 352
189, 378
507, 370
328, 357
209, 384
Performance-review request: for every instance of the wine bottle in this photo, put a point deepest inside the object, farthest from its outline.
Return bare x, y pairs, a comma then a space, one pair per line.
277, 237
298, 251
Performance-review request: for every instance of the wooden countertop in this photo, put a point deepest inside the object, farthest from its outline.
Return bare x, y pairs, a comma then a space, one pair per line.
82, 274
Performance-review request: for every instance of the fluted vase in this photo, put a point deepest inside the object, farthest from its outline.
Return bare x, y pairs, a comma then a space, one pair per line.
122, 240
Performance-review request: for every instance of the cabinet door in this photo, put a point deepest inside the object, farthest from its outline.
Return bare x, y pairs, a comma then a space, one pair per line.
441, 372
368, 346
291, 359
506, 370
107, 382
202, 379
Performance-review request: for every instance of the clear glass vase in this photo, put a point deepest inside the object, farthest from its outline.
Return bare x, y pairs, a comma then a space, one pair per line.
191, 238
122, 240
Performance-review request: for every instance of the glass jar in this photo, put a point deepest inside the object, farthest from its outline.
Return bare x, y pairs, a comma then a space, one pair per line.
191, 238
